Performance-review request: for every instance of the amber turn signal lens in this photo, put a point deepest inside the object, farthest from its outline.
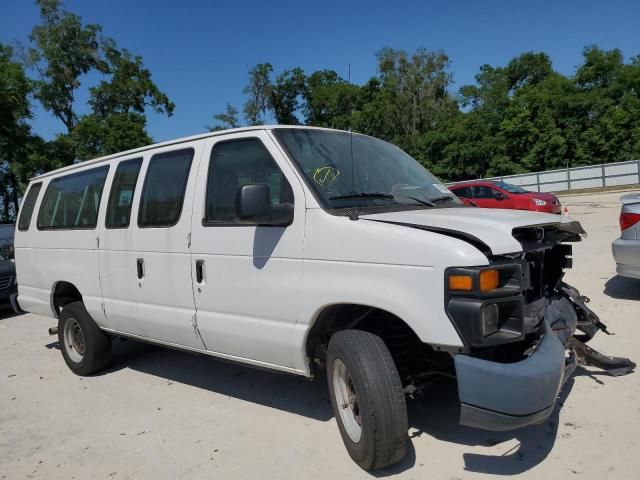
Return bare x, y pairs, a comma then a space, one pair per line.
489, 280
460, 282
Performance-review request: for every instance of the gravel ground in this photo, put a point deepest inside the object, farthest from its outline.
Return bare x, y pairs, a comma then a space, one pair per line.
164, 414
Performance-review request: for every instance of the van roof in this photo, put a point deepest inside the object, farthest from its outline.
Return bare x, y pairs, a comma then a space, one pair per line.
168, 143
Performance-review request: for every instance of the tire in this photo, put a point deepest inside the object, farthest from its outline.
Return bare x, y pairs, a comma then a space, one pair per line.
86, 349
359, 363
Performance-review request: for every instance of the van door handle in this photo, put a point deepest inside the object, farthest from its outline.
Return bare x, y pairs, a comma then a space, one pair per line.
199, 268
140, 268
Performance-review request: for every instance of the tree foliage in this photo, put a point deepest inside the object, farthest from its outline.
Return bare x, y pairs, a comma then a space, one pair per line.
521, 117
62, 53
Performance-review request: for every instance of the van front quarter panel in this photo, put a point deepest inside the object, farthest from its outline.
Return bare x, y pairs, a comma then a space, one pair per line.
389, 267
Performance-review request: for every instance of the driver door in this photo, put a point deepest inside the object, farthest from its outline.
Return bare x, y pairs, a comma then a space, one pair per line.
246, 278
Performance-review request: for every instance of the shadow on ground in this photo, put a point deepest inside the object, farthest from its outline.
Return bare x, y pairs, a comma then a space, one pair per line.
435, 414
623, 288
7, 312
438, 413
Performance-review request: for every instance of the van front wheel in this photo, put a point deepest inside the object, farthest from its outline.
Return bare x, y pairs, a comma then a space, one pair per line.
367, 399
85, 348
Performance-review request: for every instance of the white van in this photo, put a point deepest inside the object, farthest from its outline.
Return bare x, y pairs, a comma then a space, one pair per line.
300, 249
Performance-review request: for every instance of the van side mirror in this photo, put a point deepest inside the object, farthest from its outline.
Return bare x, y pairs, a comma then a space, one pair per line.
253, 206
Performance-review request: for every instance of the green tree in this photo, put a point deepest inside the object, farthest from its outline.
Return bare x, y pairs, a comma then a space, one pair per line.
286, 96
258, 92
99, 135
329, 100
227, 119
416, 90
129, 88
15, 133
63, 51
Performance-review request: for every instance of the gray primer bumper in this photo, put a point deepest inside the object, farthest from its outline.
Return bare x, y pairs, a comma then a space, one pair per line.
505, 396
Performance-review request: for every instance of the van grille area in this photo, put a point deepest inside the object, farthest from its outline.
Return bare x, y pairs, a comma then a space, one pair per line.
5, 282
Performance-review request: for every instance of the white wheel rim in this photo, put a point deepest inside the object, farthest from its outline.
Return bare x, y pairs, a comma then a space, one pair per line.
347, 401
73, 340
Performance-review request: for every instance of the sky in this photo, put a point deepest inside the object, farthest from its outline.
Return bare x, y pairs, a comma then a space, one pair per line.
199, 51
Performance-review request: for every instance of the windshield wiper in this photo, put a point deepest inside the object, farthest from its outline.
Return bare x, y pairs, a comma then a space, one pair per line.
426, 203
362, 195
442, 199
423, 202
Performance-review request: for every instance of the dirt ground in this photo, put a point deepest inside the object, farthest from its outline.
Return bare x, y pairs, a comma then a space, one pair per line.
164, 414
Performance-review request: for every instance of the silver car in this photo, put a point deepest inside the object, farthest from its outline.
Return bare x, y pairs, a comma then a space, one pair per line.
626, 249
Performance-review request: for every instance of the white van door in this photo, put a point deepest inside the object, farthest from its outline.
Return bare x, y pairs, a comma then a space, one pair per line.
246, 277
160, 245
117, 270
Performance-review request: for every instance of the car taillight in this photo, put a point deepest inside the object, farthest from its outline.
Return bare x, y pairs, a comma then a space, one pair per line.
628, 220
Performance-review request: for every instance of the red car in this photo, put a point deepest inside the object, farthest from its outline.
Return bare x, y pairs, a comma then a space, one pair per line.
494, 194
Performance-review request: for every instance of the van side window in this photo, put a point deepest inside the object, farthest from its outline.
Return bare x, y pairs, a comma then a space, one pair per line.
121, 196
236, 163
73, 201
164, 188
27, 207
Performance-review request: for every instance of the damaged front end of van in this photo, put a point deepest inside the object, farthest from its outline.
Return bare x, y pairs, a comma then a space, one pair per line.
525, 330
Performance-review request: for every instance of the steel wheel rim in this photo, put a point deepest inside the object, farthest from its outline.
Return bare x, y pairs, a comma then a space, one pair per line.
74, 340
347, 401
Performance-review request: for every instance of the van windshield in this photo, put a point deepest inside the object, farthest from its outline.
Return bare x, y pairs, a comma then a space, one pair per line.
348, 170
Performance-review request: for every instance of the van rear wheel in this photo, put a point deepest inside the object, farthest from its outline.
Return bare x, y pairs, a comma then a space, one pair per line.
86, 349
367, 399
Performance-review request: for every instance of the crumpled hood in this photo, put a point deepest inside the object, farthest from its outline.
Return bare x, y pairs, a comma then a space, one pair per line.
491, 226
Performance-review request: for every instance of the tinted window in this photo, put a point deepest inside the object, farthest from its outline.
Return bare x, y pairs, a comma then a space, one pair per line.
121, 197
237, 163
73, 201
510, 188
462, 192
482, 191
27, 207
164, 187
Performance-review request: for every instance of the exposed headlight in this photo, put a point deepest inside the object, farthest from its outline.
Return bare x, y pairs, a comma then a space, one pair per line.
539, 202
490, 319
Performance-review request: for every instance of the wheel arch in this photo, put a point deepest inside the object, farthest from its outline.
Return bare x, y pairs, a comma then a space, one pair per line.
62, 293
336, 317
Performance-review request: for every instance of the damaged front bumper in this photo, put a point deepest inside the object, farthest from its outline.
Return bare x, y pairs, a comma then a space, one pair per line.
505, 396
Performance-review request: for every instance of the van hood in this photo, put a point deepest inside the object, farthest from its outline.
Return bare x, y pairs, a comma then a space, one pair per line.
491, 227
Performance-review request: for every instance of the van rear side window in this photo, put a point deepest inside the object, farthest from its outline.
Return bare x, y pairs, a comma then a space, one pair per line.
72, 202
164, 188
121, 197
27, 207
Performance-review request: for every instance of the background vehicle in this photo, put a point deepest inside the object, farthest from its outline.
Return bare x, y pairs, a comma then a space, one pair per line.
494, 194
8, 282
6, 239
626, 249
298, 249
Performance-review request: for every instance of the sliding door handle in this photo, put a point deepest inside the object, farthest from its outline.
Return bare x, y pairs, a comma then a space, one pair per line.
140, 268
199, 271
